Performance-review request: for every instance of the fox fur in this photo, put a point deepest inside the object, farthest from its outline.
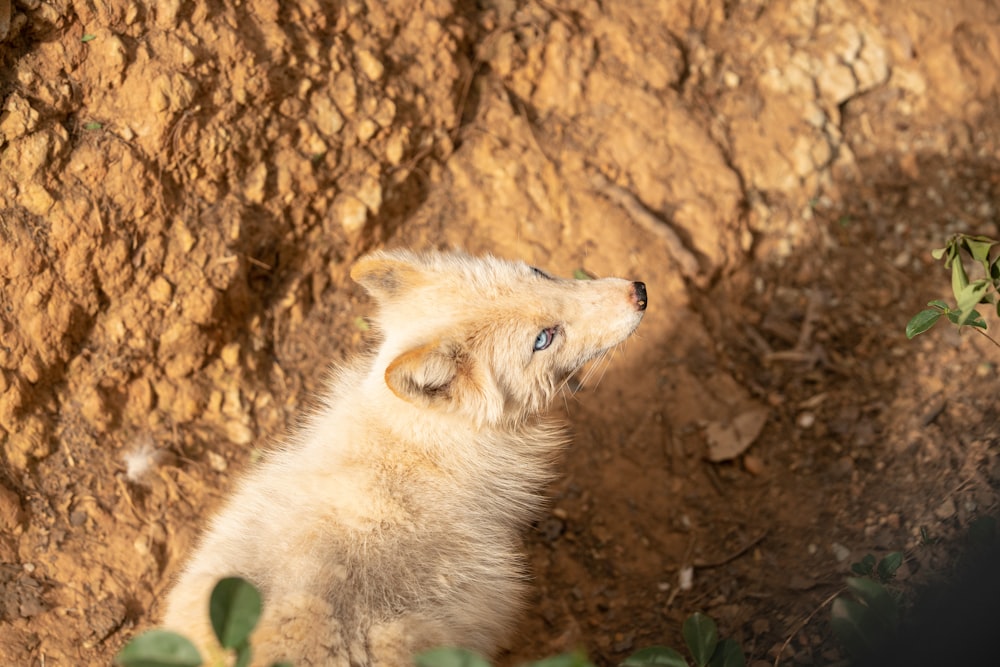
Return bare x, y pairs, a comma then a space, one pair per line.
391, 522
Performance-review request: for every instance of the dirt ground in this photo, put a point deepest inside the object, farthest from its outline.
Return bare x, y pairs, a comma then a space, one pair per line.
185, 183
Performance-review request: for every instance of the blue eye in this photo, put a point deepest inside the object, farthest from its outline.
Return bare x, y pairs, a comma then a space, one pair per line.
544, 339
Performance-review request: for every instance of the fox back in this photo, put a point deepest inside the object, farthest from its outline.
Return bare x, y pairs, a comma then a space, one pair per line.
391, 522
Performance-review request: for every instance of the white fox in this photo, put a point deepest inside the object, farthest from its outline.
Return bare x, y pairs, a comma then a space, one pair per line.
391, 522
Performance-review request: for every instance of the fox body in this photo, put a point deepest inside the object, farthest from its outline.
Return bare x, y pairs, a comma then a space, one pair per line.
391, 522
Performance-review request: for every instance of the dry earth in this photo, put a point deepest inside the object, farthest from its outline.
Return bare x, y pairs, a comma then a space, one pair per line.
184, 184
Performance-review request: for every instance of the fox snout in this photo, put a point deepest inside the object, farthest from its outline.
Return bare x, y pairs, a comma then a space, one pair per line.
639, 295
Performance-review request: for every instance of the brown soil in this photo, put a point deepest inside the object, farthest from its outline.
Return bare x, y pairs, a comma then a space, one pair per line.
184, 184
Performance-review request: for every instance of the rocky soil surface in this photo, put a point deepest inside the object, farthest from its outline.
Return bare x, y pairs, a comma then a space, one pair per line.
185, 183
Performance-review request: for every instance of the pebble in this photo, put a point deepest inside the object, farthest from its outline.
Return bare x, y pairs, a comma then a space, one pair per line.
840, 552
217, 462
11, 513
350, 212
552, 528
369, 64
685, 578
753, 464
945, 510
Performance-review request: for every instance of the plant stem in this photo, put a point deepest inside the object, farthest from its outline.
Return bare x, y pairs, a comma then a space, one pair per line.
983, 333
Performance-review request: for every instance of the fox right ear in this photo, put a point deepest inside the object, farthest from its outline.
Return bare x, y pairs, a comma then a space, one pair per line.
442, 375
385, 276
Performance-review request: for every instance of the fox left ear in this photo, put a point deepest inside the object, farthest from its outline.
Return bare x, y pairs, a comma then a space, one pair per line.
385, 274
442, 375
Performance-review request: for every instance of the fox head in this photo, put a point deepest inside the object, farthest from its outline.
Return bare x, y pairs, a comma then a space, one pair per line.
489, 339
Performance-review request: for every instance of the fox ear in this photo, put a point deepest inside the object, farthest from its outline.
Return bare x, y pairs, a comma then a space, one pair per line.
443, 375
424, 375
385, 275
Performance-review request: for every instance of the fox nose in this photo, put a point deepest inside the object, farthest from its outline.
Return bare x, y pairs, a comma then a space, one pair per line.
639, 290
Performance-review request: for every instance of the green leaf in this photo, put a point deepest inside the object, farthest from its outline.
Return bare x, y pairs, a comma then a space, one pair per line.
655, 655
939, 304
243, 655
576, 659
959, 279
580, 274
449, 657
975, 319
853, 626
88, 38
728, 654
979, 248
867, 564
701, 636
982, 532
938, 253
282, 664
969, 298
234, 608
878, 600
921, 322
995, 270
887, 566
93, 125
159, 648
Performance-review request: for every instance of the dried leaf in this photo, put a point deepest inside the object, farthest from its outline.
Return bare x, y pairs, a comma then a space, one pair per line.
728, 440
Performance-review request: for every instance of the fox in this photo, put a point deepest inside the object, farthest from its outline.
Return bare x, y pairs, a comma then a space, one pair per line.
391, 521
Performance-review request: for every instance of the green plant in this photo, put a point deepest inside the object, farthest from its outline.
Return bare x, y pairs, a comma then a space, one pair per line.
700, 634
702, 638
871, 612
968, 294
460, 657
234, 609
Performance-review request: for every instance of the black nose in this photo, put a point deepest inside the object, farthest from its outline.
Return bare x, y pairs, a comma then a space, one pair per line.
640, 295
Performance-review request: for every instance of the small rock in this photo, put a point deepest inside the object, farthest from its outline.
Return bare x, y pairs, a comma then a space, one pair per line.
552, 528
217, 462
324, 115
253, 189
370, 192
685, 578
396, 146
623, 643
806, 420
230, 355
840, 552
345, 93
753, 465
18, 118
369, 64
161, 290
350, 212
367, 129
945, 510
385, 113
238, 433
11, 513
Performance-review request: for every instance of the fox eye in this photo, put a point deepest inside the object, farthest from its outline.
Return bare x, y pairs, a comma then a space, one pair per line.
544, 339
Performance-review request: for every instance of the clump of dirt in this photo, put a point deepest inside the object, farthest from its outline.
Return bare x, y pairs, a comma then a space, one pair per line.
183, 185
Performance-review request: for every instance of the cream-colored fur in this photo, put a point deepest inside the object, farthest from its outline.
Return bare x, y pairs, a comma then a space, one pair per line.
390, 524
